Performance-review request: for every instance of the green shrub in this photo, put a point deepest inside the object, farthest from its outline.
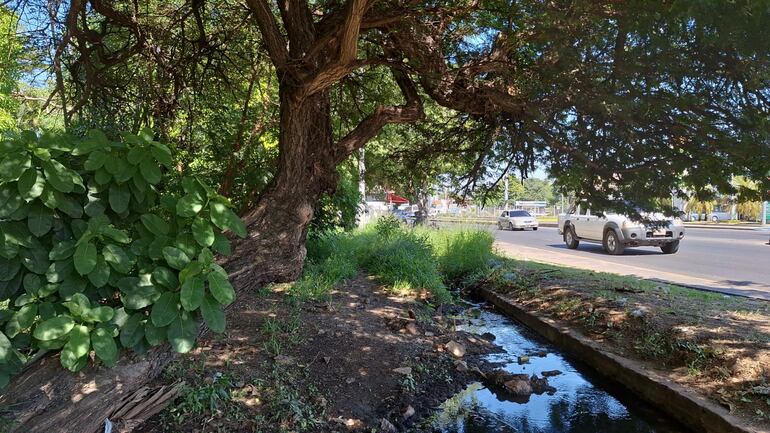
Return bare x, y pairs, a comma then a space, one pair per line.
96, 254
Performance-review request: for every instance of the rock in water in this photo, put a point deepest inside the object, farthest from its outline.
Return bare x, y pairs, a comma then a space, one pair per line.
518, 387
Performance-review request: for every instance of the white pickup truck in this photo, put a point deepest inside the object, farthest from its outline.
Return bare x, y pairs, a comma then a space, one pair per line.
616, 232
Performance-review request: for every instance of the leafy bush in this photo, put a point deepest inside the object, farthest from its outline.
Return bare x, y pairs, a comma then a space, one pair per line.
96, 255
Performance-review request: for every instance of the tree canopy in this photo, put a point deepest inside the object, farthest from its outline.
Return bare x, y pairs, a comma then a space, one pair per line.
620, 102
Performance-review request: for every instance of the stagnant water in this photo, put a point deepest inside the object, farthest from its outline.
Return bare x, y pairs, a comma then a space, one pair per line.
582, 403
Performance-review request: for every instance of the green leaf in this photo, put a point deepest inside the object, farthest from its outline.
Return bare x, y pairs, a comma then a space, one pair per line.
71, 286
101, 272
213, 314
132, 331
62, 250
120, 196
6, 349
116, 235
189, 206
221, 244
150, 171
165, 309
68, 205
9, 268
175, 257
136, 295
10, 200
39, 219
154, 335
31, 184
104, 345
165, 277
54, 328
13, 165
76, 349
98, 314
59, 271
206, 257
85, 258
95, 160
226, 219
162, 154
192, 293
203, 232
25, 316
155, 224
32, 283
58, 175
117, 258
35, 259
193, 268
221, 288
182, 334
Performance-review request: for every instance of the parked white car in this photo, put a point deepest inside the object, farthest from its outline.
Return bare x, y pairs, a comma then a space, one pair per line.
616, 232
516, 220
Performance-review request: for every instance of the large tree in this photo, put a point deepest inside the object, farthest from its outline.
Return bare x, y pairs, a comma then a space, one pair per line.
621, 100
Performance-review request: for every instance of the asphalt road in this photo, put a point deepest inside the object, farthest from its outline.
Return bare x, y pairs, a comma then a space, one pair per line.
730, 261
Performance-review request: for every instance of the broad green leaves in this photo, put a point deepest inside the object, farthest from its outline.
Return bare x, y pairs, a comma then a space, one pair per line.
54, 328
221, 288
85, 258
94, 259
226, 219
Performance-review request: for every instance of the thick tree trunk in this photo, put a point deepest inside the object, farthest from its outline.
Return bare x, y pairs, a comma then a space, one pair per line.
275, 247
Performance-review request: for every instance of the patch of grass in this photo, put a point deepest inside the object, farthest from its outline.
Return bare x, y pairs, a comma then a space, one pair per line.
409, 260
285, 408
463, 254
211, 398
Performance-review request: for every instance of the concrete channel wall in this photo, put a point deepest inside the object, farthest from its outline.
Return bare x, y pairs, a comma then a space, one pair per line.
688, 407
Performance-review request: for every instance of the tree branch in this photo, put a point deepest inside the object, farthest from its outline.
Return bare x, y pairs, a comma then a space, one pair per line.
276, 45
371, 125
346, 53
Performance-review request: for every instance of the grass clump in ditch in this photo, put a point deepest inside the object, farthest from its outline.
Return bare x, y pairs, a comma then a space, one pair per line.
408, 260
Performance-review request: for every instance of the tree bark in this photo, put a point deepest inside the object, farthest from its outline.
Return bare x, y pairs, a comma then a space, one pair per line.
275, 247
47, 399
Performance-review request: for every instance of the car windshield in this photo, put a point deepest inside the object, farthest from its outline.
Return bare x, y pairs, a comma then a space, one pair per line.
519, 213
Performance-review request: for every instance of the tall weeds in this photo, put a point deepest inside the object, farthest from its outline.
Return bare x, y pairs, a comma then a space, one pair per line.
405, 259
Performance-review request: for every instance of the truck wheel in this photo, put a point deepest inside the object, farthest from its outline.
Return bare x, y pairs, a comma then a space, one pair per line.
570, 239
534, 228
670, 248
510, 226
612, 243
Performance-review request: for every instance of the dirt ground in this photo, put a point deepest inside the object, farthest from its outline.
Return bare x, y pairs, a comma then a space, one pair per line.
288, 365
718, 345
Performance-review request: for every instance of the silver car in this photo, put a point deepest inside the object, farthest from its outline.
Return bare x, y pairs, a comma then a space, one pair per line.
516, 220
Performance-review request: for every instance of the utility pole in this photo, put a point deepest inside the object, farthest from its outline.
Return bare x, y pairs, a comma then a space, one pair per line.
765, 205
361, 217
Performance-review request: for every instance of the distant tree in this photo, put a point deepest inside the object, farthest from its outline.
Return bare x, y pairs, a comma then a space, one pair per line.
10, 68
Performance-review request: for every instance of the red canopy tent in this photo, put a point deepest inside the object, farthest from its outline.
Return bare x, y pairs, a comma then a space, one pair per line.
395, 199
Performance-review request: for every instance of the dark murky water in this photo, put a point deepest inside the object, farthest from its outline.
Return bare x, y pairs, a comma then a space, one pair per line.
582, 403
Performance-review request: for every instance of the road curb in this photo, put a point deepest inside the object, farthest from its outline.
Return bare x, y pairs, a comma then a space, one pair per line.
691, 409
